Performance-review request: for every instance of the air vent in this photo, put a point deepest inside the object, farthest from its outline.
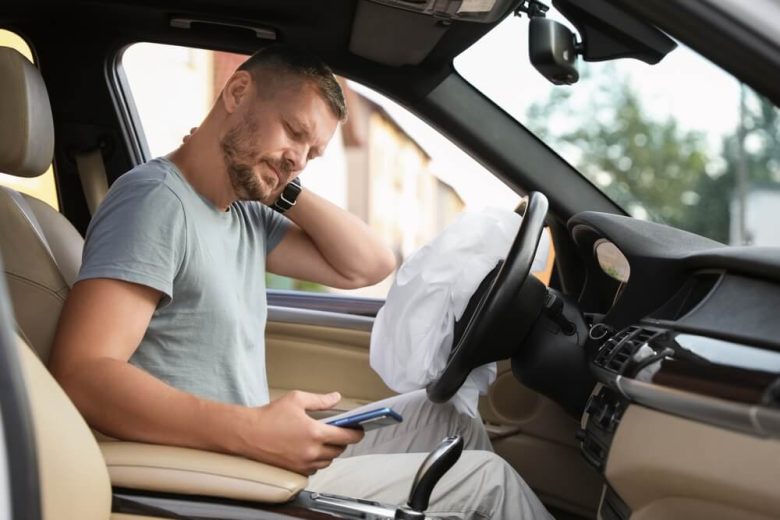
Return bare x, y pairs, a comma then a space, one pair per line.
615, 353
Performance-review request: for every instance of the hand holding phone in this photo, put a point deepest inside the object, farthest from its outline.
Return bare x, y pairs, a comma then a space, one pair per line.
368, 420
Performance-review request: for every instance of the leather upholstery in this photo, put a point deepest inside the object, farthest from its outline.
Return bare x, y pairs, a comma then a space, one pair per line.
76, 477
26, 126
73, 476
37, 282
42, 250
192, 472
65, 243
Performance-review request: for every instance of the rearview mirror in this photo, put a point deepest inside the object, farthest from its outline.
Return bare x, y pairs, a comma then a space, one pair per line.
552, 48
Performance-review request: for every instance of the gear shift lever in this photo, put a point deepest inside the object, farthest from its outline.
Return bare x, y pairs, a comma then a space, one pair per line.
435, 465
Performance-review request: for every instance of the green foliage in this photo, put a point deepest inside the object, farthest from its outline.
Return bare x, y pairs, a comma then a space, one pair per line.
273, 281
654, 168
762, 163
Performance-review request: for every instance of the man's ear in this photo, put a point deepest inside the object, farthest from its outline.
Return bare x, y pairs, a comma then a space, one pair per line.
237, 88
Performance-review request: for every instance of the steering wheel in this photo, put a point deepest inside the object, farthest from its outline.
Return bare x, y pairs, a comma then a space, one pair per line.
501, 311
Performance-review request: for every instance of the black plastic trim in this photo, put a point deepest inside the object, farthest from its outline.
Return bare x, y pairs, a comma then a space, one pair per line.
127, 113
613, 507
306, 504
710, 29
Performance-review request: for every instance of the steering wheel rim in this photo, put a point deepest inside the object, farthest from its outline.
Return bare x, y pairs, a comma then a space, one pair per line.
485, 316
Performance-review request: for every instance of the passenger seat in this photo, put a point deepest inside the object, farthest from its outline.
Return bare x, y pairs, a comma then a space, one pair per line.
40, 248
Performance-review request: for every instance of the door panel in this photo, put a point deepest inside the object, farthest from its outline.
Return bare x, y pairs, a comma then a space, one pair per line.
322, 359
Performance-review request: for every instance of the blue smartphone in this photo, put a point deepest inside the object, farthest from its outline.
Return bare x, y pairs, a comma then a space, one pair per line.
369, 420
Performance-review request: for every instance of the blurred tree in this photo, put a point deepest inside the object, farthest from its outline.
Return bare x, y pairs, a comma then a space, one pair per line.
759, 143
654, 168
274, 281
649, 167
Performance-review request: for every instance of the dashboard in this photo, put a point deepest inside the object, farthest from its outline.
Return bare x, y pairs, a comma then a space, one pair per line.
693, 332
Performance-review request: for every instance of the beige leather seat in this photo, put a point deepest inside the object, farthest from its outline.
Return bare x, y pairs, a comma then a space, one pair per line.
41, 254
76, 473
41, 249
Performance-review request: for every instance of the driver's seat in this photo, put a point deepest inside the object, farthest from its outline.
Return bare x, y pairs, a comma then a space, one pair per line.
41, 254
41, 248
72, 475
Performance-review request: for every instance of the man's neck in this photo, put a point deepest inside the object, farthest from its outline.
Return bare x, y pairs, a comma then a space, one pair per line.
200, 161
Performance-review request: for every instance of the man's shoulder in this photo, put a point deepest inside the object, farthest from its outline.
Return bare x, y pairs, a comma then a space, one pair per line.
148, 191
155, 171
155, 178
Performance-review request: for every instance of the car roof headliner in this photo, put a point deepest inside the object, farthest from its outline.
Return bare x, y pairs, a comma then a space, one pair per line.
412, 44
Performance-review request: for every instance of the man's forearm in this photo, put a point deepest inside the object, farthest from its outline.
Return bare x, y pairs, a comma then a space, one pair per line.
120, 400
123, 401
345, 241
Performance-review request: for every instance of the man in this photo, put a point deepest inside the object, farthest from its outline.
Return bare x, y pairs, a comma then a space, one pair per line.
162, 338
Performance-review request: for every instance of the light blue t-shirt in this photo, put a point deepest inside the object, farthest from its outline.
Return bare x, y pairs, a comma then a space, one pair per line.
206, 336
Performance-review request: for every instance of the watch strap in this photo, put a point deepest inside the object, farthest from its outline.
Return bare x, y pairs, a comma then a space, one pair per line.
288, 196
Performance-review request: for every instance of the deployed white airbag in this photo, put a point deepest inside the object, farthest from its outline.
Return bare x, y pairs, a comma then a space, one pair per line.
413, 332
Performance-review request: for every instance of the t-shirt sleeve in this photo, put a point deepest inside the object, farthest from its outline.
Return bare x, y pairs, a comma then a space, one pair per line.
137, 235
273, 224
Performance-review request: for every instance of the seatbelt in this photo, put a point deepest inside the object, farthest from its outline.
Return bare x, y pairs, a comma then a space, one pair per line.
92, 173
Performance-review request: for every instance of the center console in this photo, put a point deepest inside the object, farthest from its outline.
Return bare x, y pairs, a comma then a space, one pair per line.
713, 381
180, 483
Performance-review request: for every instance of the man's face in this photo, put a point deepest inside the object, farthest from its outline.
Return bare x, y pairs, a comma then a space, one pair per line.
274, 135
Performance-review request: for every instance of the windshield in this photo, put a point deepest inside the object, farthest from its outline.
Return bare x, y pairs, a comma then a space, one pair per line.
681, 142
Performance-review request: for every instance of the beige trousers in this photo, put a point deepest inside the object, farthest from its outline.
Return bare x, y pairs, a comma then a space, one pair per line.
382, 466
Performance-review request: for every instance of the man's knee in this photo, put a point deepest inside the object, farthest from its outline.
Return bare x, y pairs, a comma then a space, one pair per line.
490, 488
488, 470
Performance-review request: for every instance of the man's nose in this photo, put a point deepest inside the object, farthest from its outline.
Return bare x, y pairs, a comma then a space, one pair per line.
295, 158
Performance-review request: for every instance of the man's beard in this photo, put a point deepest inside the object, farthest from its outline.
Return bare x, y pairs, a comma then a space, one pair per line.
240, 160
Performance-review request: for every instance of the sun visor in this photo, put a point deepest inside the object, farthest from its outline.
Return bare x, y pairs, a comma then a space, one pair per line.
609, 33
375, 35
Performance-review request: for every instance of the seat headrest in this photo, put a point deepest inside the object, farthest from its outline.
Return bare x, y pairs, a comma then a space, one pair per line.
26, 126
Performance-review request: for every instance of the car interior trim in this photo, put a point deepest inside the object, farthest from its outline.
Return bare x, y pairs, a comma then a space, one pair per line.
321, 318
262, 33
188, 471
307, 504
723, 31
753, 419
718, 473
127, 113
340, 303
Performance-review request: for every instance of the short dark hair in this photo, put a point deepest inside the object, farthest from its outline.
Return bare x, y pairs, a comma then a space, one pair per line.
301, 63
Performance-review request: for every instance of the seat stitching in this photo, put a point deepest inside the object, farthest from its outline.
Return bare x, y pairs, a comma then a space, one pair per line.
35, 284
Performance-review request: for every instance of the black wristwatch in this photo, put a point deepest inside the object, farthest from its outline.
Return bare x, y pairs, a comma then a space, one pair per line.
287, 198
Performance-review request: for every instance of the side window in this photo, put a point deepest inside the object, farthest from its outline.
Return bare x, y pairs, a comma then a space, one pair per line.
384, 164
42, 187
